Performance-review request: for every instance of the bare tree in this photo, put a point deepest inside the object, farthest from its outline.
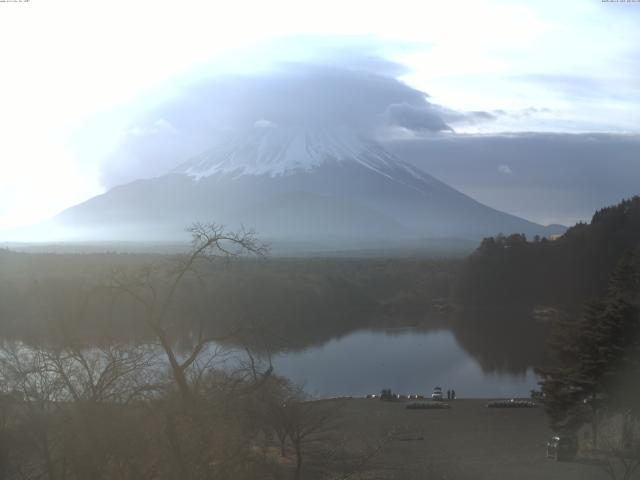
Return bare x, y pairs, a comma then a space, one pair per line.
209, 240
110, 373
291, 416
307, 422
26, 372
66, 404
193, 431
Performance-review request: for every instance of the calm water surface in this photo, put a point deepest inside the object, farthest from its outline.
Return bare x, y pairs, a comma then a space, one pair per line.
405, 360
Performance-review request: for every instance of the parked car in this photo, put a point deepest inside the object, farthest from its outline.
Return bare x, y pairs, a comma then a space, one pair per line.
437, 394
562, 448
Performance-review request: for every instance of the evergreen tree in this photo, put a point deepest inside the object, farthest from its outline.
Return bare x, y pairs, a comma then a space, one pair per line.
596, 359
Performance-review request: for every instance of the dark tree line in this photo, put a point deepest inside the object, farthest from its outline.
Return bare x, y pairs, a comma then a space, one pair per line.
512, 270
303, 300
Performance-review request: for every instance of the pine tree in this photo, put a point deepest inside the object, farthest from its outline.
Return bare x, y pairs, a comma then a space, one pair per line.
596, 360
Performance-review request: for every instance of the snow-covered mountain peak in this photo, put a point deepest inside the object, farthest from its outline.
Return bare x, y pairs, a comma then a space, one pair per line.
324, 190
275, 151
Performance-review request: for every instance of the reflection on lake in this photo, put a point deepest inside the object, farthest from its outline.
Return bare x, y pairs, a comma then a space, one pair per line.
479, 353
405, 360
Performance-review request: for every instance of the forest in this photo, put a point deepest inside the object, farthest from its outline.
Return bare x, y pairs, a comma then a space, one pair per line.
510, 269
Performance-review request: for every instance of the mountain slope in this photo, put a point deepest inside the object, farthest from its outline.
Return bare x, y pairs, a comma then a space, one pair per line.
296, 185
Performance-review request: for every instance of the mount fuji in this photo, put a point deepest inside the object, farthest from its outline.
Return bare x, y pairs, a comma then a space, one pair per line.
313, 188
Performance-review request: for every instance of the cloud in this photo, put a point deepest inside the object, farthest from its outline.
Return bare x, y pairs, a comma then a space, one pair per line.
294, 94
504, 168
359, 91
263, 123
462, 117
433, 118
417, 118
561, 178
158, 127
522, 113
572, 86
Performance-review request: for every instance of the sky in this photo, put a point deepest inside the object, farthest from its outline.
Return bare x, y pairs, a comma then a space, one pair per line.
84, 81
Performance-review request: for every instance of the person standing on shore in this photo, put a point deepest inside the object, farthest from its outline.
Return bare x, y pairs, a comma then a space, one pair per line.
453, 394
448, 394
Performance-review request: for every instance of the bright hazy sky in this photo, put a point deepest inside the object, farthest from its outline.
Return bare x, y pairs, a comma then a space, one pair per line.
75, 73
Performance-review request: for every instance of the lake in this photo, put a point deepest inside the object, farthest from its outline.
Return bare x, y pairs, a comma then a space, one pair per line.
406, 360
482, 354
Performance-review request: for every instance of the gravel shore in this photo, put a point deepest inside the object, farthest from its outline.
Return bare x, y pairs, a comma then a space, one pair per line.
466, 441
